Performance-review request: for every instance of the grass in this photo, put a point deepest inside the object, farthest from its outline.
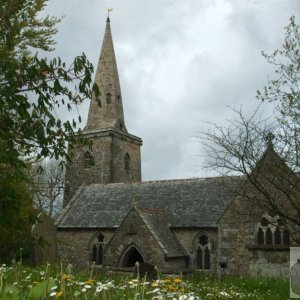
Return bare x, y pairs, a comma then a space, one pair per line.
59, 282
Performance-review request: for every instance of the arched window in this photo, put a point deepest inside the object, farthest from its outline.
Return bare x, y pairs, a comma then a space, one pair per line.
203, 252
108, 98
97, 250
269, 239
127, 163
260, 237
277, 236
271, 231
286, 237
88, 160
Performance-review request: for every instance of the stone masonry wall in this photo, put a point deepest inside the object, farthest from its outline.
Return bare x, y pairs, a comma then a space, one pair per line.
108, 150
237, 239
189, 238
144, 241
73, 245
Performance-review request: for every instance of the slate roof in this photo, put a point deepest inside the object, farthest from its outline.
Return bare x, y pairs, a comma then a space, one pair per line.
187, 202
167, 240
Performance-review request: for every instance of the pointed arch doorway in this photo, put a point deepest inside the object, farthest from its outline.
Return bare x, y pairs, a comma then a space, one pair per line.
130, 256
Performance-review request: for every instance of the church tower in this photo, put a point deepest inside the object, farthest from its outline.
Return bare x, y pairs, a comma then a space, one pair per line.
114, 155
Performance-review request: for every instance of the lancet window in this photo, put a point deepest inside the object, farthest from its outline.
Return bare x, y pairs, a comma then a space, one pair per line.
108, 98
97, 250
127, 163
203, 260
88, 160
270, 231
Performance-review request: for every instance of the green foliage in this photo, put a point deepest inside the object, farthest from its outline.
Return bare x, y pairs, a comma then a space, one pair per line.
53, 282
16, 216
285, 89
34, 89
42, 288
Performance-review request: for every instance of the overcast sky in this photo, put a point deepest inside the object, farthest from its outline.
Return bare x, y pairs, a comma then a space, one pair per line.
181, 63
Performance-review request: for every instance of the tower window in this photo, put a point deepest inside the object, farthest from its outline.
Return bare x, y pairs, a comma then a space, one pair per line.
119, 98
88, 160
127, 163
108, 98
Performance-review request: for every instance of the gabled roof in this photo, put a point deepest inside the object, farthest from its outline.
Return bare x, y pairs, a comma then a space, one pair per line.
187, 203
155, 220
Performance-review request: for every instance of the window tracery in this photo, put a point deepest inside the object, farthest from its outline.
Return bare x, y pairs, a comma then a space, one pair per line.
203, 252
270, 231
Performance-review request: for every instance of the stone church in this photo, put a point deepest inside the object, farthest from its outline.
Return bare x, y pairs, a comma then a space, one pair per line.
112, 219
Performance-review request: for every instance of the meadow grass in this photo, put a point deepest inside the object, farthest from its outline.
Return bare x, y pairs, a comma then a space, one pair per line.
59, 282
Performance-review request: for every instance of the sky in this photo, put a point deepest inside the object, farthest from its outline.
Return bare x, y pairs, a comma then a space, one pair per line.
182, 64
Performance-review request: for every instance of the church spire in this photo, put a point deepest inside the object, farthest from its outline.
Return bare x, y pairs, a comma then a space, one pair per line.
106, 110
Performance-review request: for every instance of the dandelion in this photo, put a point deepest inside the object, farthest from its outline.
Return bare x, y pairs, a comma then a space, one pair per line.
59, 294
83, 290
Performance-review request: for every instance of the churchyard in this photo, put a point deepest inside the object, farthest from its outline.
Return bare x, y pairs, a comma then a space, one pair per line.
62, 282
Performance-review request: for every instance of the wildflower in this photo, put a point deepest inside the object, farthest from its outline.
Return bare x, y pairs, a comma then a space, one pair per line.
52, 294
87, 286
83, 290
42, 273
54, 287
67, 277
153, 291
171, 287
90, 282
224, 294
59, 294
177, 280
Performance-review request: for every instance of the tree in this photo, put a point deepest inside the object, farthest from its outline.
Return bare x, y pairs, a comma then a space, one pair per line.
47, 185
264, 151
34, 89
16, 216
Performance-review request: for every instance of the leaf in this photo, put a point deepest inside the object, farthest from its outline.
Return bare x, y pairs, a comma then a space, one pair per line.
10, 293
42, 288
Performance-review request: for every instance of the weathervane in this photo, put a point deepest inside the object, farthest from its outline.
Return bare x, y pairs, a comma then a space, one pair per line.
109, 9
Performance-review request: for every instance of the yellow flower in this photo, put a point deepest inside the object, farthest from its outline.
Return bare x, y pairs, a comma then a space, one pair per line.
67, 277
171, 287
59, 294
90, 281
154, 284
177, 280
167, 280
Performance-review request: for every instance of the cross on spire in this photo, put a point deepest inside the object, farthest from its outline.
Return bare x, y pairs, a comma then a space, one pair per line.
269, 138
